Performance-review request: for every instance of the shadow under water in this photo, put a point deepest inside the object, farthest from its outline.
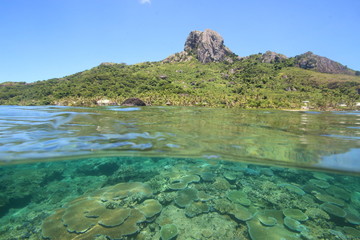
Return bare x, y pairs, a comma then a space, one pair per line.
175, 198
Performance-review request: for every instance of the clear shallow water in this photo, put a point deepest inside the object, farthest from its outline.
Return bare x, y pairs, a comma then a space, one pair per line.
329, 140
145, 173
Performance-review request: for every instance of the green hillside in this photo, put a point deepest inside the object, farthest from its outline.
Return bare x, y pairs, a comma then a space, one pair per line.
245, 83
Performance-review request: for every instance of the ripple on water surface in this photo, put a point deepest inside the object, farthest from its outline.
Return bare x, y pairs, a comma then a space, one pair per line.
301, 139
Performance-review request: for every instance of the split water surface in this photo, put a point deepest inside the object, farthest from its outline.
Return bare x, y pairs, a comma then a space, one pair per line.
178, 173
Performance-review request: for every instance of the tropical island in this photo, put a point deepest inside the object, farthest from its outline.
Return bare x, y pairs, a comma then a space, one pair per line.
206, 73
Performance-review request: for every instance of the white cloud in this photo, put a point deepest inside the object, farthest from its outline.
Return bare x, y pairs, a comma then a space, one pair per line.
145, 1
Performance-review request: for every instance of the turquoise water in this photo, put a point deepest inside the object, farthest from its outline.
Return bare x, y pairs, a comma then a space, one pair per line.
178, 173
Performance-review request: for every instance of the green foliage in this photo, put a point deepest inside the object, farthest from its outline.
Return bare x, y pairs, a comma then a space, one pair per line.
247, 83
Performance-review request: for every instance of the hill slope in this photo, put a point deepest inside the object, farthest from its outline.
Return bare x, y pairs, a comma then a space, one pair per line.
206, 73
245, 83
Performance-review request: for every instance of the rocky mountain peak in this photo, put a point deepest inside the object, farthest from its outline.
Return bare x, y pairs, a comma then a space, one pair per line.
272, 57
309, 60
207, 46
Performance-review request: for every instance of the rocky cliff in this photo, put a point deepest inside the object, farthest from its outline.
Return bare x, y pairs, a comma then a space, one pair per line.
315, 62
207, 46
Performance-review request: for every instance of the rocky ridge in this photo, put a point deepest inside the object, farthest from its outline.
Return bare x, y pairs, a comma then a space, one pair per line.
208, 46
315, 62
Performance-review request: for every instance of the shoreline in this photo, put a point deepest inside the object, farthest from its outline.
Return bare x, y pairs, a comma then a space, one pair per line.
196, 106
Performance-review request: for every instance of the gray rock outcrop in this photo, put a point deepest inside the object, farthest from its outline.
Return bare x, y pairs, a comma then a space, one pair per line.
315, 62
133, 102
178, 57
105, 102
272, 57
107, 64
207, 46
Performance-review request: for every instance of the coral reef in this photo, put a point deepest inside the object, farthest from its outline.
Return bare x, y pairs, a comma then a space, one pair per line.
238, 197
186, 196
168, 231
293, 224
295, 214
166, 198
91, 215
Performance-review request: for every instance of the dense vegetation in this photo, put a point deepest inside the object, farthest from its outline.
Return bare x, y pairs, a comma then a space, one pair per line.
247, 83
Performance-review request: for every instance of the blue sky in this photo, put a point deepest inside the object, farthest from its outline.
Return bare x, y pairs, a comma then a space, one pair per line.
42, 39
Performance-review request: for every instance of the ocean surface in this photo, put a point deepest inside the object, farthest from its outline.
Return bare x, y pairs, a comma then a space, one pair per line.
178, 173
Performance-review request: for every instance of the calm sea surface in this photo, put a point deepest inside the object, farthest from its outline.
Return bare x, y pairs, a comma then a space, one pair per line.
178, 173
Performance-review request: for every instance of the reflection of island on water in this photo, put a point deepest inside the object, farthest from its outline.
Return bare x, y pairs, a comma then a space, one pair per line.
299, 138
278, 137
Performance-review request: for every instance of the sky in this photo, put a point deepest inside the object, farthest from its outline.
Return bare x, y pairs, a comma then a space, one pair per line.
44, 39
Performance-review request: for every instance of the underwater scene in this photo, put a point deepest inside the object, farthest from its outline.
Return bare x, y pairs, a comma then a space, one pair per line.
178, 173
